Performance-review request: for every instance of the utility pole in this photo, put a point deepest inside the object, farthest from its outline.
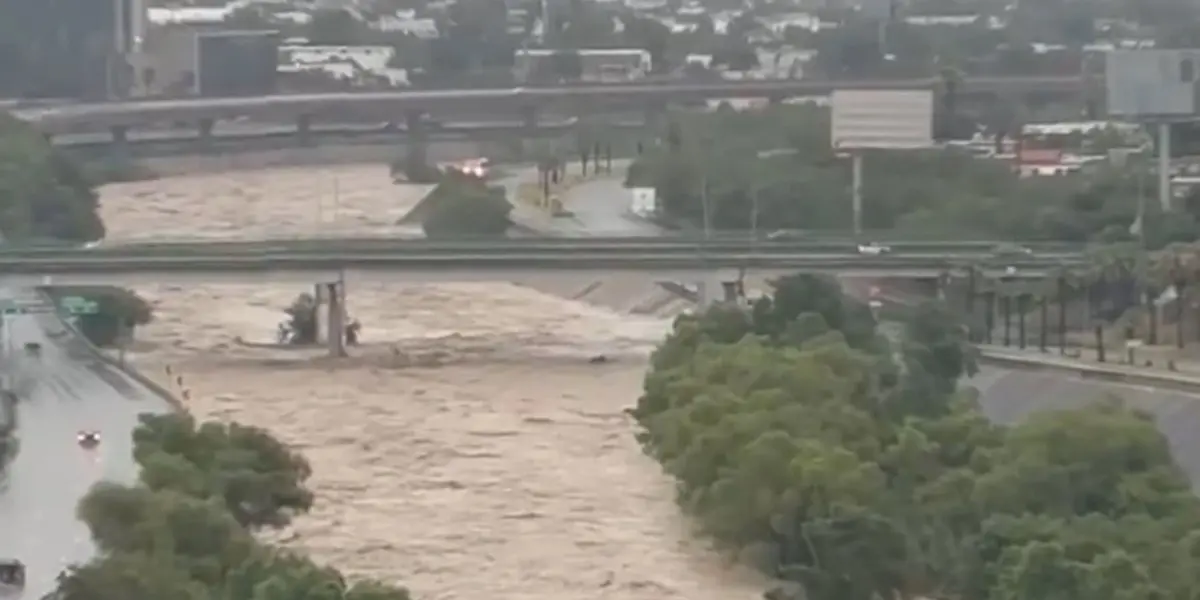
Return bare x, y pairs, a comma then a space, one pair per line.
754, 216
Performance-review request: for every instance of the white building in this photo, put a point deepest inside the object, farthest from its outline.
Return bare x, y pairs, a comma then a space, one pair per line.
599, 65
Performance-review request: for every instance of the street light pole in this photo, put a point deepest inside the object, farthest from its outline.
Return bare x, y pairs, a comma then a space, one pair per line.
1164, 166
856, 182
754, 216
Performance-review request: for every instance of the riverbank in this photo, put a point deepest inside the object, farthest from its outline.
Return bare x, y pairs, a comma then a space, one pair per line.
469, 446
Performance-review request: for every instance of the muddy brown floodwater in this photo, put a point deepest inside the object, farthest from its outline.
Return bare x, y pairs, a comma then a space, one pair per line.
467, 449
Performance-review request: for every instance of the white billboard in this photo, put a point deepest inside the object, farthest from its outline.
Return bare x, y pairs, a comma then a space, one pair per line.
1151, 83
882, 119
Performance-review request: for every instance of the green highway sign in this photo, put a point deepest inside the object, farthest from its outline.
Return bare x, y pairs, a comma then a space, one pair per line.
10, 307
77, 305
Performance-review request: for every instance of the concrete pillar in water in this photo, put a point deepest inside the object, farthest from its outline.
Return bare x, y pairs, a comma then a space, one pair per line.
713, 288
730, 289
120, 138
414, 125
304, 129
205, 128
336, 331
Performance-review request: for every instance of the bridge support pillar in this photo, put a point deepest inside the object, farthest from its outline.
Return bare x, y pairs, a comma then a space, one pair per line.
336, 322
304, 129
729, 291
205, 129
716, 288
414, 126
120, 136
529, 121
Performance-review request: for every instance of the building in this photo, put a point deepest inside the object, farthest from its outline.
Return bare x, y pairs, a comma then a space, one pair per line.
361, 66
595, 66
237, 63
75, 48
206, 60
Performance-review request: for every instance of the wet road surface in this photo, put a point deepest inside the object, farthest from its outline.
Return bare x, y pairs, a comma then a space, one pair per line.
64, 391
1009, 396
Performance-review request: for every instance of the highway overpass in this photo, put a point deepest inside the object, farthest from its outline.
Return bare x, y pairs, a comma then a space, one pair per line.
336, 260
259, 137
409, 107
339, 266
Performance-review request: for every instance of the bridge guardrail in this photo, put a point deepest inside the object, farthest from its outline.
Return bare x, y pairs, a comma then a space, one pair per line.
644, 260
978, 250
948, 260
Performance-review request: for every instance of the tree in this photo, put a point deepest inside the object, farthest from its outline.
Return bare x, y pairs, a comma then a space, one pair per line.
45, 198
43, 195
861, 470
120, 311
465, 205
260, 481
777, 164
182, 532
335, 27
302, 320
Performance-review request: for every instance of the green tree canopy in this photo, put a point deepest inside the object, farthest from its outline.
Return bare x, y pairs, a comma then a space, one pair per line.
464, 205
775, 169
46, 198
852, 463
43, 195
183, 531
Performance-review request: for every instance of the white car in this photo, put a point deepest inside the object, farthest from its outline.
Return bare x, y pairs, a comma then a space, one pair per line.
873, 249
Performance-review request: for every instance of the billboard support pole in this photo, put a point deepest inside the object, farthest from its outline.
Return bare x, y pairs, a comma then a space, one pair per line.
856, 179
1164, 165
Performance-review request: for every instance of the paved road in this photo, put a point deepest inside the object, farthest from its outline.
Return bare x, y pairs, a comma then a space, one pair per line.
602, 207
63, 392
1008, 396
599, 207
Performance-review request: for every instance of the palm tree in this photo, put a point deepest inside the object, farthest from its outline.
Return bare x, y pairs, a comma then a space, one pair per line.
977, 287
588, 134
1065, 285
1044, 320
1114, 279
950, 80
973, 281
1176, 267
